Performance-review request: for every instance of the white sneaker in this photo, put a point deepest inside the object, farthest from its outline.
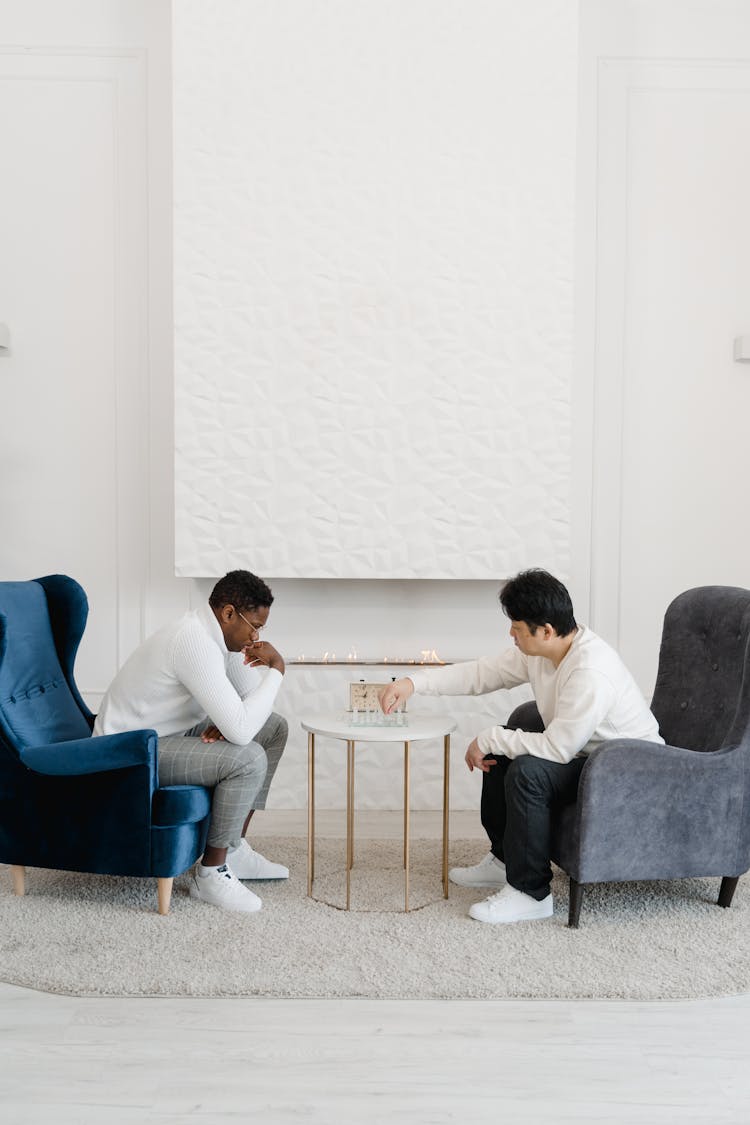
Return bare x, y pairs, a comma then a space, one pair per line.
247, 864
489, 872
221, 888
511, 905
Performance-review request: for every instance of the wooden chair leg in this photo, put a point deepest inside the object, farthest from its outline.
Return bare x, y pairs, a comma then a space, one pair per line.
574, 909
164, 892
19, 879
727, 889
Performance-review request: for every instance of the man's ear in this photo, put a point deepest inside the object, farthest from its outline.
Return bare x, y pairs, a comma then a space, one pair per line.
227, 613
549, 631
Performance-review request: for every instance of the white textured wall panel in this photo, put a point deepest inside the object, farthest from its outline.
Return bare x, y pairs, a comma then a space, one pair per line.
373, 283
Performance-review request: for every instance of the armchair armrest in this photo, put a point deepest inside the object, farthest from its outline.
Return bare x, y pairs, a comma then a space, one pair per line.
630, 762
94, 755
649, 811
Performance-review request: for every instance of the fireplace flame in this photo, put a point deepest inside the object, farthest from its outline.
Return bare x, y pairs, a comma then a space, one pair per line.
426, 656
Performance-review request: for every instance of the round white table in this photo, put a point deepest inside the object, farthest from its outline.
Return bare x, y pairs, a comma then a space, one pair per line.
339, 725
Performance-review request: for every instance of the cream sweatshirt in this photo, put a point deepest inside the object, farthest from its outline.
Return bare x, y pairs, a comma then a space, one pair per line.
184, 673
589, 698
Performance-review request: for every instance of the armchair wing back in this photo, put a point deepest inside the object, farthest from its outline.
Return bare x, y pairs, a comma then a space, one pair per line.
69, 801
702, 695
39, 702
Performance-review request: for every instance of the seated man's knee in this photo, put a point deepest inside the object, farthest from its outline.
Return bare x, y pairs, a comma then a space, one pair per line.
249, 760
282, 732
527, 771
273, 733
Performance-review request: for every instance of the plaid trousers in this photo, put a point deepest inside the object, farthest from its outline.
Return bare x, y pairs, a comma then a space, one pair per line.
240, 776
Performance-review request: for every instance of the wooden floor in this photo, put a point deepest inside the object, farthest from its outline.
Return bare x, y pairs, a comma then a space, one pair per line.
67, 1060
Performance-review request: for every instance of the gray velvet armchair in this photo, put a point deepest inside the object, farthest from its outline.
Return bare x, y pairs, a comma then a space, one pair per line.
646, 811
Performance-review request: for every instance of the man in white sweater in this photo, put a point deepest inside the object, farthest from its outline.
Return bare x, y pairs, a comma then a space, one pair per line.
198, 683
585, 696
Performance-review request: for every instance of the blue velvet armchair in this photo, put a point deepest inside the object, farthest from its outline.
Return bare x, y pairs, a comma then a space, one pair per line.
646, 811
69, 801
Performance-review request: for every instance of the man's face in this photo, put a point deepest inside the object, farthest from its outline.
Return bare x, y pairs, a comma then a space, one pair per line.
242, 627
530, 643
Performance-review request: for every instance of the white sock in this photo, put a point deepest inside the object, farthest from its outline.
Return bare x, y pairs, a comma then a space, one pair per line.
203, 870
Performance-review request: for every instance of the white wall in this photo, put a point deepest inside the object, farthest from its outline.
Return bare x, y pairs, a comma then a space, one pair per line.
79, 380
74, 280
667, 241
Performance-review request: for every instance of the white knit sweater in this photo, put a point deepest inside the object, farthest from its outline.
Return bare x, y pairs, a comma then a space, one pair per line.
589, 698
184, 673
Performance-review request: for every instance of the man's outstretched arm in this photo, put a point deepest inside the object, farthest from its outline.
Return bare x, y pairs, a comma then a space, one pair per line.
472, 677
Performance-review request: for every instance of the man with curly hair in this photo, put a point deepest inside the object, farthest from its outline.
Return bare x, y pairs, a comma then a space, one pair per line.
207, 684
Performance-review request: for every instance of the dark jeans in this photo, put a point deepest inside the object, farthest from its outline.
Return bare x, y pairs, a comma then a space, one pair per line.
519, 796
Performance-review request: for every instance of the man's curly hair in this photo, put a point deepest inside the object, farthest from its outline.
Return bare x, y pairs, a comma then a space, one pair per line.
241, 589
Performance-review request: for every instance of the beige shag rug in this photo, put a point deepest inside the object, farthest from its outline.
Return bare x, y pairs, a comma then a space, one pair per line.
96, 935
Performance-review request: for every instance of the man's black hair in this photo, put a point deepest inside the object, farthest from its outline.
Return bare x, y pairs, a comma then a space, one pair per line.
241, 589
536, 597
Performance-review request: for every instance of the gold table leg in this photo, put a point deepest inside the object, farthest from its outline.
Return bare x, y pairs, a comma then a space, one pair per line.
406, 827
351, 835
310, 811
349, 818
446, 803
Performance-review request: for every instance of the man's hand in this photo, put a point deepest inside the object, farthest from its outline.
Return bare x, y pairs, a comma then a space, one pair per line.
475, 758
263, 655
212, 734
394, 695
